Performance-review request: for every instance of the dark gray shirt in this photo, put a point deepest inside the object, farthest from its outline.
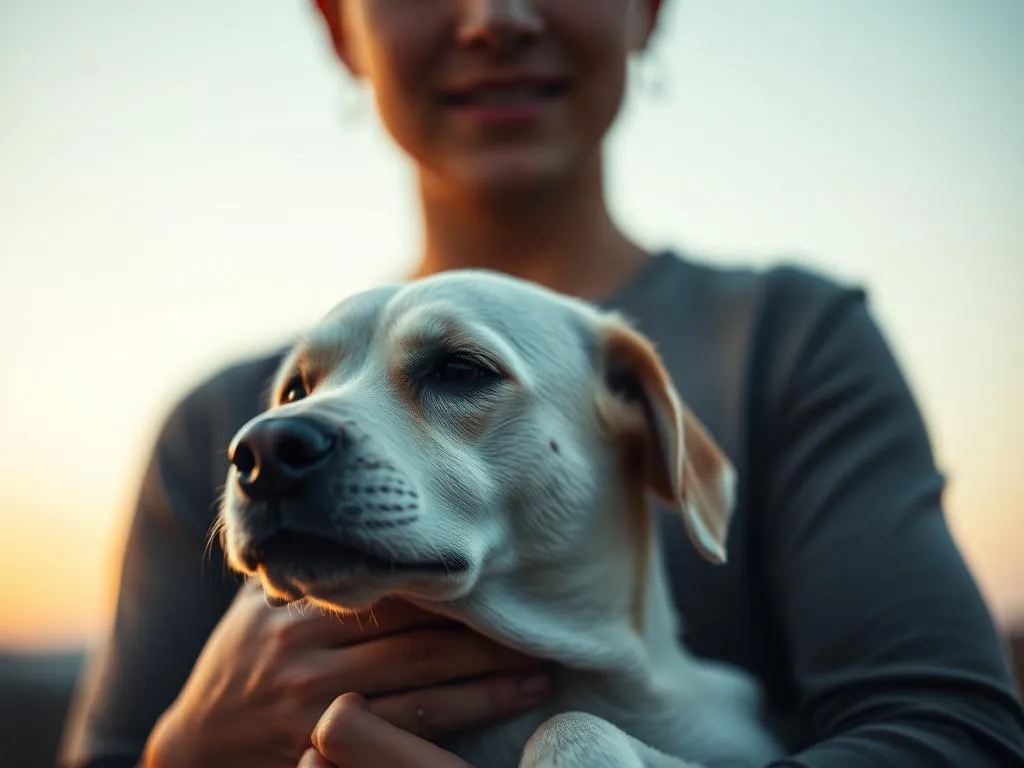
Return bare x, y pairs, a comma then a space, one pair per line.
844, 593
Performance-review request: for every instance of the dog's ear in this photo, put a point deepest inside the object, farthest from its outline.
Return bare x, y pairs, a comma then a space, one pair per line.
681, 462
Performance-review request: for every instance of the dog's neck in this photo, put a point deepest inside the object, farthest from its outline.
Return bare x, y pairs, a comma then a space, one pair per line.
590, 633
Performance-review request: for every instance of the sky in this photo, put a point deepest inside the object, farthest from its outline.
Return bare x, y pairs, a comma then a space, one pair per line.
184, 183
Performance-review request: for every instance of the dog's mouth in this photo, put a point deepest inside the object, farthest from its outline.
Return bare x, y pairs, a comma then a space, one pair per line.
293, 565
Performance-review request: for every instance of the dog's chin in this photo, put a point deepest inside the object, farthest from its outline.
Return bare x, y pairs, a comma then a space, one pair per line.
331, 574
353, 590
294, 566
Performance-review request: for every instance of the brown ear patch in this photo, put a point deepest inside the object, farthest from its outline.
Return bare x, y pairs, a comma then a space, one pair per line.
623, 412
637, 395
626, 424
663, 443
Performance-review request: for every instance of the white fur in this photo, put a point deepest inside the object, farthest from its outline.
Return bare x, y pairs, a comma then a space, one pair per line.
546, 530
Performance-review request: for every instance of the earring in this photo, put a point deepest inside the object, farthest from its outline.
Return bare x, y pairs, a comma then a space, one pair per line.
654, 81
354, 103
647, 75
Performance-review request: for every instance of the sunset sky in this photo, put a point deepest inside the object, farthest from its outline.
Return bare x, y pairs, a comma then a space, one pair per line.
182, 183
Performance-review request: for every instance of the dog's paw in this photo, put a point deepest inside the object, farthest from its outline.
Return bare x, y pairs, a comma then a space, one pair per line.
579, 740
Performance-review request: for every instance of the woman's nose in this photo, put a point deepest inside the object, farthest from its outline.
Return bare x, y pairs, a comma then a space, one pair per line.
499, 24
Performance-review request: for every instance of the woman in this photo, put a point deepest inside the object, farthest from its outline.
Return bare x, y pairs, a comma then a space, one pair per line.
845, 594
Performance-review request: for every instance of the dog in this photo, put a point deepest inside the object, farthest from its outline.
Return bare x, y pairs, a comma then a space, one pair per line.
485, 448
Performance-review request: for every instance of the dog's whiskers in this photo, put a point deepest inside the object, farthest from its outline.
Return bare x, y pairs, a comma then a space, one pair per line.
217, 531
338, 612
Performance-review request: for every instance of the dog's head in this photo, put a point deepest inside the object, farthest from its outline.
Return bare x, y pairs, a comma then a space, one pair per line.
427, 439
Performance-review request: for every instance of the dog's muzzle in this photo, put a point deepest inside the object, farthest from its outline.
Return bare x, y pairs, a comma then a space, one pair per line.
313, 497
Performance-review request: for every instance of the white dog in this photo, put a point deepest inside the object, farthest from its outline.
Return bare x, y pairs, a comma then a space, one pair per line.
483, 448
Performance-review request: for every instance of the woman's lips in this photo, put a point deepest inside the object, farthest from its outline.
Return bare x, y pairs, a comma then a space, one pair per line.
509, 101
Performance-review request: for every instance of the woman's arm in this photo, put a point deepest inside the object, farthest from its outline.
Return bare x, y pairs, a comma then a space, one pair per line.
894, 654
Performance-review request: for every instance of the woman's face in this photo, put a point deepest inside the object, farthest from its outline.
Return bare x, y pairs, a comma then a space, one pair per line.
493, 95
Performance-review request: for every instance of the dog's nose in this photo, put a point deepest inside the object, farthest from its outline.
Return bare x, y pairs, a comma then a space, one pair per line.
274, 456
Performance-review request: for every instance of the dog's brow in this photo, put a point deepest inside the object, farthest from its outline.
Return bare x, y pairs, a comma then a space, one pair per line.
445, 332
322, 349
440, 324
425, 324
449, 334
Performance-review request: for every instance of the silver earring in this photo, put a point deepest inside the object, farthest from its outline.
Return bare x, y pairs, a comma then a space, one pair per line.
653, 71
647, 75
354, 103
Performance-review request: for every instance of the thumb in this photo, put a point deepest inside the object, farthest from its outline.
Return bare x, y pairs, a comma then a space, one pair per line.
313, 759
349, 735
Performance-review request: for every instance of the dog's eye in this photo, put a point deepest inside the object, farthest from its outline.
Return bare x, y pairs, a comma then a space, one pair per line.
294, 390
458, 371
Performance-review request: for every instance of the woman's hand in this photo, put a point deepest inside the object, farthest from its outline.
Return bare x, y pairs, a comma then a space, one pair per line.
266, 675
351, 735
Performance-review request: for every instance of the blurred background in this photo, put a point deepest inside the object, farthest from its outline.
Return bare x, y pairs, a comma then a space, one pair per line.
184, 183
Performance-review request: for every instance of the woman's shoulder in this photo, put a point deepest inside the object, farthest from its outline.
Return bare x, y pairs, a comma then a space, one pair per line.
731, 333
694, 302
784, 285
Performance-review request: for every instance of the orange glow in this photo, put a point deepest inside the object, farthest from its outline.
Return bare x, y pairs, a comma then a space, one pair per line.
57, 581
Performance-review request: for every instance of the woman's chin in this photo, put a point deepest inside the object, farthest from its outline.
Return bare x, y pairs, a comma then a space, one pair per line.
511, 172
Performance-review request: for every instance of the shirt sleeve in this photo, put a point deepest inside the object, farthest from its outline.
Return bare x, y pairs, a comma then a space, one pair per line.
894, 655
172, 592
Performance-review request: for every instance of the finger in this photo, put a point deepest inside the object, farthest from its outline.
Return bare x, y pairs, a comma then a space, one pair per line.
349, 735
433, 712
416, 659
313, 759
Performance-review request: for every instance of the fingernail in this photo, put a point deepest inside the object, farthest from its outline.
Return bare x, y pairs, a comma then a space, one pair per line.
534, 687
